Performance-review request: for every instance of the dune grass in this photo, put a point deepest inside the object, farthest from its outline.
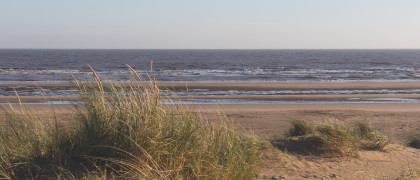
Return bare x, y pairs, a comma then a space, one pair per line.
331, 137
371, 138
409, 174
414, 141
336, 137
125, 131
300, 128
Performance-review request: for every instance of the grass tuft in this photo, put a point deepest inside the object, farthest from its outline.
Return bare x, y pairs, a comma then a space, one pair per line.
300, 128
414, 141
126, 131
337, 138
371, 138
331, 137
409, 174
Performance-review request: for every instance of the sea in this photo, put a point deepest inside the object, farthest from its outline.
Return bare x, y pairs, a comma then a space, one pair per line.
213, 65
225, 66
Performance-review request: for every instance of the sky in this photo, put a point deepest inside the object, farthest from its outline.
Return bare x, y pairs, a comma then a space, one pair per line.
215, 24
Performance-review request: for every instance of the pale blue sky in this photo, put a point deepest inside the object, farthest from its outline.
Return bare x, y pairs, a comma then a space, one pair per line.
215, 24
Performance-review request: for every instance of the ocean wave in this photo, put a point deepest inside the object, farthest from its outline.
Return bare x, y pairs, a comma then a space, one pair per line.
214, 65
17, 71
296, 92
220, 74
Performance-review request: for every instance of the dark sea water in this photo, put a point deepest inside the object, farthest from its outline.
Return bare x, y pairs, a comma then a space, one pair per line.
54, 66
213, 65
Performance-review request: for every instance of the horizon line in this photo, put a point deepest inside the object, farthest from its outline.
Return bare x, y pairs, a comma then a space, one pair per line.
209, 49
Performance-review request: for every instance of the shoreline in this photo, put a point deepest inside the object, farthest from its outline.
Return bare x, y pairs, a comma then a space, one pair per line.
251, 87
310, 85
276, 99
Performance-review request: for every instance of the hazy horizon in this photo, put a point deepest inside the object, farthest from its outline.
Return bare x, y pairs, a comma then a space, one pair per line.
206, 49
187, 24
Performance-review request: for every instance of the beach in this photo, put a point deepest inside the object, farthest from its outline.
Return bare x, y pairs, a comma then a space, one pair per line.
397, 120
269, 119
210, 90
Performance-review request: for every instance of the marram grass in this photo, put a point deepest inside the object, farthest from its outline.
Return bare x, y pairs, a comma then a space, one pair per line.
125, 132
332, 137
414, 141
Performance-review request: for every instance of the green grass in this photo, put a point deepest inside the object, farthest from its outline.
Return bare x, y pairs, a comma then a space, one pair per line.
125, 132
331, 137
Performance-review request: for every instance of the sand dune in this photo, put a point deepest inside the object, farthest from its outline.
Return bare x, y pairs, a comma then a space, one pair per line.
398, 120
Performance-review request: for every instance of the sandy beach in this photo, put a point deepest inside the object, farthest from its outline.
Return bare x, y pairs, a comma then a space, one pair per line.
398, 120
210, 90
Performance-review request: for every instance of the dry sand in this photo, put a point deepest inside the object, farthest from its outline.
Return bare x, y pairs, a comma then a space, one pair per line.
398, 120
